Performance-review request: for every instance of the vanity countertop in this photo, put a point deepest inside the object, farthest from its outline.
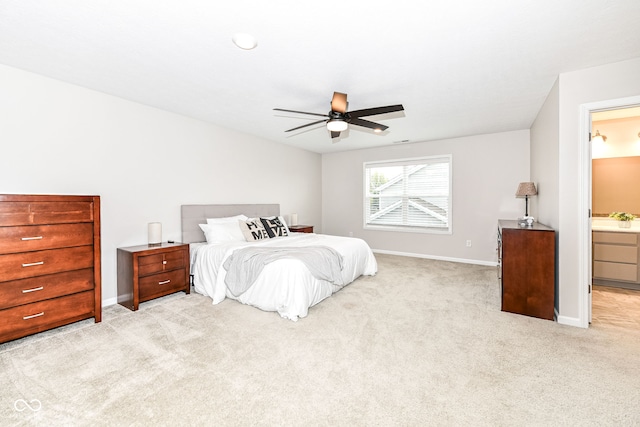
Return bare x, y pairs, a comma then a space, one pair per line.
612, 225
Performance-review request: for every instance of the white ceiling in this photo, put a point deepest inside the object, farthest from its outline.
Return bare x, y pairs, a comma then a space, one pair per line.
459, 67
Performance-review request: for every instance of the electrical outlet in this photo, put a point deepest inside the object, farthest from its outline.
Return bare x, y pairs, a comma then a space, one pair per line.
351, 234
468, 243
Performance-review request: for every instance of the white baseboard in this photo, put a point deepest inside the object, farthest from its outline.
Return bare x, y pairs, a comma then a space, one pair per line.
439, 258
110, 301
569, 321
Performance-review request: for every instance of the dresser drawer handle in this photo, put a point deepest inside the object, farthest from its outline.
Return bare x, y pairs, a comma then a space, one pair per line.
31, 264
164, 262
26, 291
164, 282
32, 238
33, 315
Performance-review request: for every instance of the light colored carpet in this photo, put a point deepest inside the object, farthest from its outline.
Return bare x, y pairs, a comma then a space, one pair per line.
422, 343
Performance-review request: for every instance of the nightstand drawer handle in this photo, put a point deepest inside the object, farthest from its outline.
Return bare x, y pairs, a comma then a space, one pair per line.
164, 282
164, 262
33, 315
32, 238
31, 264
26, 291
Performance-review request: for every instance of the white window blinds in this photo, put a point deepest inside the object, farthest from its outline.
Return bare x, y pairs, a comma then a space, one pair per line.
409, 194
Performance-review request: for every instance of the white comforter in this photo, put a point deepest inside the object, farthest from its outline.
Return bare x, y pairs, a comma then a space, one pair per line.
286, 285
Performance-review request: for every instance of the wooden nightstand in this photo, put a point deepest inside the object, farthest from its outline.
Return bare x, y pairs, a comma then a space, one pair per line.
301, 228
146, 272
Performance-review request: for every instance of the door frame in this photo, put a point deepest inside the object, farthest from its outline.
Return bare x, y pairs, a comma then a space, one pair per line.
585, 274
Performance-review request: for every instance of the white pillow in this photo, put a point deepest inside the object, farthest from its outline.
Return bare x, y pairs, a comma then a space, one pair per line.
224, 232
227, 219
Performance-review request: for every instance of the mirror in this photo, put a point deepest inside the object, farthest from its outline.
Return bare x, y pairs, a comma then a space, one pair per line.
616, 186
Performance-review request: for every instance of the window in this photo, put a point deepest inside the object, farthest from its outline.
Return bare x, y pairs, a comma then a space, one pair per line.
408, 195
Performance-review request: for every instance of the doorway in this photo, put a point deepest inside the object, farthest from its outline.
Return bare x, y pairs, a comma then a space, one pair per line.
610, 303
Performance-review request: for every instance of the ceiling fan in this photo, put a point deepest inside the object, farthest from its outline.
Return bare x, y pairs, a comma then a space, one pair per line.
339, 119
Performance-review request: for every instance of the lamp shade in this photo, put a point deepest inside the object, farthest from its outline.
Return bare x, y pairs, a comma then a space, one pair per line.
155, 233
526, 189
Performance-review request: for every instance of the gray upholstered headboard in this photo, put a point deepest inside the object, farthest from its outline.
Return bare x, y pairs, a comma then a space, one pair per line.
193, 215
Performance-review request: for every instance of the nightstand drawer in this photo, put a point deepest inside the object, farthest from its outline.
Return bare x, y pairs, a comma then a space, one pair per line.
156, 263
39, 316
39, 263
301, 228
162, 284
39, 237
150, 271
25, 291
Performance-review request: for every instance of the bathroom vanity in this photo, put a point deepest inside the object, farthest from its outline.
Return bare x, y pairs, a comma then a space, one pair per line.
616, 254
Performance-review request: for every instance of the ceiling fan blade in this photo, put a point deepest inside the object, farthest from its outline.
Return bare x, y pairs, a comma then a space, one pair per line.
376, 110
335, 134
339, 102
308, 124
300, 112
367, 124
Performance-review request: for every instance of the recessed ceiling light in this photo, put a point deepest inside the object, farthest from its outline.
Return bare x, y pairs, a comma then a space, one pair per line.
244, 41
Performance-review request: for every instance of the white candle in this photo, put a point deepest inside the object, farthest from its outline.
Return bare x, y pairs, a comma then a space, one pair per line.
155, 233
294, 219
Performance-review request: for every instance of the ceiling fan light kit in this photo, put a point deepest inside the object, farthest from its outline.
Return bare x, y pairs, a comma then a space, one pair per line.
339, 119
244, 41
337, 125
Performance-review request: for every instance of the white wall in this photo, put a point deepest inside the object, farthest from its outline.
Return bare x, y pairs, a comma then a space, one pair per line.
613, 81
544, 165
486, 173
57, 138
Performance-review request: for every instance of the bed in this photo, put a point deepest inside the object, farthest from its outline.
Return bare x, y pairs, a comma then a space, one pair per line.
290, 281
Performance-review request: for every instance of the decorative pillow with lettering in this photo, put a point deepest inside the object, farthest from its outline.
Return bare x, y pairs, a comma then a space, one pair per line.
275, 226
253, 229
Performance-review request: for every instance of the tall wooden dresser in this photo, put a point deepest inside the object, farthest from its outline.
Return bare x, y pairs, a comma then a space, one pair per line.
527, 263
49, 262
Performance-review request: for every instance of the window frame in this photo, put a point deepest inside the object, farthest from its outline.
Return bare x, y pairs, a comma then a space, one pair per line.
442, 158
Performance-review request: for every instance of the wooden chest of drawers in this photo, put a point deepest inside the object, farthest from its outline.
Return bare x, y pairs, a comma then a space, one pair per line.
527, 266
150, 271
49, 262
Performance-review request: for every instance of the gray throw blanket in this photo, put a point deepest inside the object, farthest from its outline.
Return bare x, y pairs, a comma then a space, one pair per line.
244, 265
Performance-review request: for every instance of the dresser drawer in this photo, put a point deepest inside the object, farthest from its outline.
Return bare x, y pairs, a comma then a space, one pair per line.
43, 212
162, 284
156, 263
25, 291
613, 237
38, 237
615, 253
36, 317
615, 271
40, 263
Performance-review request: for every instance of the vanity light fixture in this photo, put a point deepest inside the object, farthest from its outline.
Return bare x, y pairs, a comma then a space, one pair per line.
599, 138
